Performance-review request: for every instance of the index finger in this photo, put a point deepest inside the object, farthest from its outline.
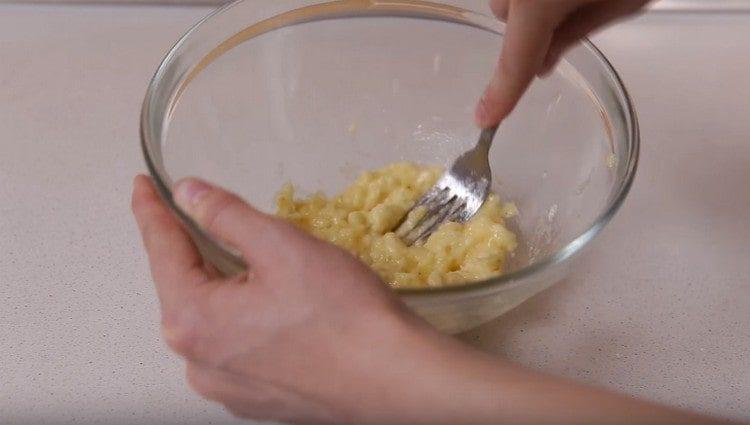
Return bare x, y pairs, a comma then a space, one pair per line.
528, 35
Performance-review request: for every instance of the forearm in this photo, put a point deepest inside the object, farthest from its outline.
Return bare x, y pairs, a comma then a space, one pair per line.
456, 384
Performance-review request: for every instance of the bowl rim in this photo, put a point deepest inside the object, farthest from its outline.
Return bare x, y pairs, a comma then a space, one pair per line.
495, 283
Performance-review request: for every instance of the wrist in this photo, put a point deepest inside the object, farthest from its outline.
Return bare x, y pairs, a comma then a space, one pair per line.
425, 377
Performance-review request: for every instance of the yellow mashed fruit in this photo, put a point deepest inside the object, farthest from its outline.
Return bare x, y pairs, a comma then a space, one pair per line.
361, 220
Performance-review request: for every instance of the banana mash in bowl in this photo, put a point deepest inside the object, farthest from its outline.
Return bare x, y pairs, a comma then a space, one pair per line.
361, 220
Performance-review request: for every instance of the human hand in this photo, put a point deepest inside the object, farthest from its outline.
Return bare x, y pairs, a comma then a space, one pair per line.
537, 33
311, 335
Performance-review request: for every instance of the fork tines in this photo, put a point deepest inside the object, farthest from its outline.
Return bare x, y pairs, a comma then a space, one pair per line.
435, 207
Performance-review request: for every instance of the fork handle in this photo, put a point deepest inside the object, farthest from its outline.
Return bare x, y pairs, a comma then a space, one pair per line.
485, 139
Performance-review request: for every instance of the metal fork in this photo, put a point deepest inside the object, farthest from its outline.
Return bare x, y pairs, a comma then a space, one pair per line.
457, 195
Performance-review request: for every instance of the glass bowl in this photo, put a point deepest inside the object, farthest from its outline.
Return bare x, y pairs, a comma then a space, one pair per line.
262, 92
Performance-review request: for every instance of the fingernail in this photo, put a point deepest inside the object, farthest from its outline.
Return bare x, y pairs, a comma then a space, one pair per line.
188, 192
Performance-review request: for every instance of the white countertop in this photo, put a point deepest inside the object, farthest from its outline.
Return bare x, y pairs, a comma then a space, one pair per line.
659, 308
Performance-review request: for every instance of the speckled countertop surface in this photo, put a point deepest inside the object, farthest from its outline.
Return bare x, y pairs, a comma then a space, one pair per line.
659, 308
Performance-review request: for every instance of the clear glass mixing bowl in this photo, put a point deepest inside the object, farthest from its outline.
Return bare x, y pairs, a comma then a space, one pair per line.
263, 92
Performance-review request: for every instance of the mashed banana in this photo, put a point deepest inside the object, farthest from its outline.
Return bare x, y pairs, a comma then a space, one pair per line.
361, 219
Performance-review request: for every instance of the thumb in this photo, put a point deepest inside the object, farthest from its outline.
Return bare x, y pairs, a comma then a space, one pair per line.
228, 218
